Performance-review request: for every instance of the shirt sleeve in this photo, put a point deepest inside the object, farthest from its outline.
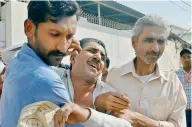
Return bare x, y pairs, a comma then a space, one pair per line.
98, 119
51, 89
177, 117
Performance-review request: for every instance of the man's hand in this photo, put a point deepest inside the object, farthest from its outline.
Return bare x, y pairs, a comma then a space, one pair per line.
75, 47
136, 119
126, 114
71, 113
112, 101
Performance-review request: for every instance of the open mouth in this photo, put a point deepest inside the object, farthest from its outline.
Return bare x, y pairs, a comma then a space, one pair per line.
94, 65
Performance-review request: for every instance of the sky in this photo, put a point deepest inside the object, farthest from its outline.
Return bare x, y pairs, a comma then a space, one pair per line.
176, 12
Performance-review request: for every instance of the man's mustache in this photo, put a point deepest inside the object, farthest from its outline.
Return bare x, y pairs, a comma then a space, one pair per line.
56, 53
153, 53
95, 60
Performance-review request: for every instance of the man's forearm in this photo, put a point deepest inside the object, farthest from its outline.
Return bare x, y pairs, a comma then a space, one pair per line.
98, 119
144, 121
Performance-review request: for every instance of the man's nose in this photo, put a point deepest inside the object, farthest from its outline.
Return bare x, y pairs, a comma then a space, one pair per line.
63, 46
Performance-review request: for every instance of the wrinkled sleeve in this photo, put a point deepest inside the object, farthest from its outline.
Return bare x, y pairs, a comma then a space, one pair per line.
98, 119
177, 117
51, 89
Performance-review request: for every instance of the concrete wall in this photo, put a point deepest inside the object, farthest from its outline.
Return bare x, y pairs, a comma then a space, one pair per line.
118, 43
2, 34
13, 14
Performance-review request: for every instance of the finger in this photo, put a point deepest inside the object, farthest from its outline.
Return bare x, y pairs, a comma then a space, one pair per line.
66, 111
75, 41
73, 52
75, 48
123, 116
116, 113
121, 96
114, 108
58, 118
119, 101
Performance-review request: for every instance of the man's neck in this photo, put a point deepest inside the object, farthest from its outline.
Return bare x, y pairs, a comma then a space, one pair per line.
141, 68
81, 86
187, 69
83, 91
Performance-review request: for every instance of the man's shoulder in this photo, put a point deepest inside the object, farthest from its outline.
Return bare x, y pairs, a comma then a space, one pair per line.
171, 77
180, 70
31, 72
118, 70
105, 85
168, 73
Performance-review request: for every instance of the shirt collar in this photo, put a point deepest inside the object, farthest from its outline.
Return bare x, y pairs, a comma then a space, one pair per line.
130, 68
29, 51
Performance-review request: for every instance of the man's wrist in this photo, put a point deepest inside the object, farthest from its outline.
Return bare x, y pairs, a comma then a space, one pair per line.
137, 117
86, 114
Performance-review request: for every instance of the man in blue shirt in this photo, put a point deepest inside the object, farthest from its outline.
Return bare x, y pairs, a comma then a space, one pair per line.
29, 78
185, 76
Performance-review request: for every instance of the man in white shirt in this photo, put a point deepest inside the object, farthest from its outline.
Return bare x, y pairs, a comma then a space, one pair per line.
157, 96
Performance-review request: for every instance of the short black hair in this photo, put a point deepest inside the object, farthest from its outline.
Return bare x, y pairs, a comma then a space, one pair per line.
85, 41
50, 10
107, 62
184, 51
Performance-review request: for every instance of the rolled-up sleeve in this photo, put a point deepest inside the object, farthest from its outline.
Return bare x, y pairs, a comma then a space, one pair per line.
98, 119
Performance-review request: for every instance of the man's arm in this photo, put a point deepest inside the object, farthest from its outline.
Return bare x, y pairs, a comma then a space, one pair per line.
98, 119
72, 113
177, 117
51, 89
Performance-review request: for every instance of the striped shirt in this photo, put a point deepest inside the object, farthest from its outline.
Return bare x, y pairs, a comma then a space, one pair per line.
184, 76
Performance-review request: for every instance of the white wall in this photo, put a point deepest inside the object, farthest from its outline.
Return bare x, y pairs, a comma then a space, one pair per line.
118, 43
13, 14
2, 34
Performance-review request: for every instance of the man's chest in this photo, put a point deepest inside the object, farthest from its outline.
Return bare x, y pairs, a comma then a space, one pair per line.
84, 99
148, 99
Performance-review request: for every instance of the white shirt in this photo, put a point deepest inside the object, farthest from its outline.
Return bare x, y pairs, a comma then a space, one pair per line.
162, 98
145, 78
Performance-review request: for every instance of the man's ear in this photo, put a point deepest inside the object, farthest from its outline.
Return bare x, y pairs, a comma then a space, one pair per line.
72, 58
134, 41
29, 28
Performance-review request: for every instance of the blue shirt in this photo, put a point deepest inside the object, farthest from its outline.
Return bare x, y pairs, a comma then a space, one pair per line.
183, 76
27, 80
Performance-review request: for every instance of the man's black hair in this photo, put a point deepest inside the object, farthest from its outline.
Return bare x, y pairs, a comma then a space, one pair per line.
107, 62
50, 10
184, 51
85, 41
